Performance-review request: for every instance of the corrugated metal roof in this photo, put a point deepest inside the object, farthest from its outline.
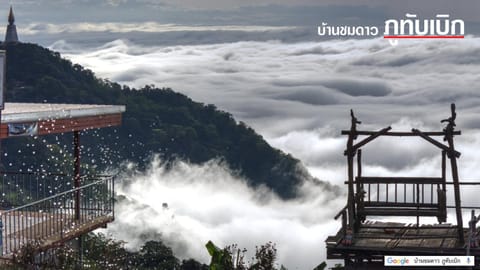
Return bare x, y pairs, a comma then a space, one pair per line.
31, 112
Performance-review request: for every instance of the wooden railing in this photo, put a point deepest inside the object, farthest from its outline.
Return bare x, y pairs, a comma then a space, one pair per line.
402, 196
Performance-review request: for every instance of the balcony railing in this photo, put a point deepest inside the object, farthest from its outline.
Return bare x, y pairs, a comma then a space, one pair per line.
40, 209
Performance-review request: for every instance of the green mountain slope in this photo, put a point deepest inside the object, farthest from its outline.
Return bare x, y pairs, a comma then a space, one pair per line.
157, 121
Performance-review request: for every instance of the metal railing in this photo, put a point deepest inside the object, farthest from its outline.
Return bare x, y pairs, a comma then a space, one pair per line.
20, 188
54, 218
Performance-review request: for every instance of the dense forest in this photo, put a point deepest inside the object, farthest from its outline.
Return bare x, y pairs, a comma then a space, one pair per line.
157, 121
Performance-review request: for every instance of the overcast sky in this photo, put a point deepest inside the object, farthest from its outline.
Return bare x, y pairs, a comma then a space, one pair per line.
46, 21
277, 12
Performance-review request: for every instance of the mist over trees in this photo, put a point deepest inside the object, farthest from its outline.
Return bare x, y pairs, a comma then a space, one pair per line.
157, 121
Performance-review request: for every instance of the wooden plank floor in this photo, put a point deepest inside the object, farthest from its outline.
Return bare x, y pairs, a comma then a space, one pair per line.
375, 237
41, 228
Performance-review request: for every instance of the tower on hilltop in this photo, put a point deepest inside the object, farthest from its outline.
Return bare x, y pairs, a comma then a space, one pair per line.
11, 34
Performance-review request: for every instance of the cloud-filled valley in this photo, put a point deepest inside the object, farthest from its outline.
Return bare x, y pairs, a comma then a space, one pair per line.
263, 62
262, 81
209, 202
298, 96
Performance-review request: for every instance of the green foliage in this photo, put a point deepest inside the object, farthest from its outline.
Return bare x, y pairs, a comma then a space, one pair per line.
191, 264
221, 258
232, 258
155, 255
321, 266
102, 253
157, 121
265, 257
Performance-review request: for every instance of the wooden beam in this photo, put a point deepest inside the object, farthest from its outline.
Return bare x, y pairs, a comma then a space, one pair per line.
400, 133
399, 205
78, 124
399, 212
422, 236
422, 227
341, 212
399, 180
464, 183
70, 125
436, 143
447, 183
367, 140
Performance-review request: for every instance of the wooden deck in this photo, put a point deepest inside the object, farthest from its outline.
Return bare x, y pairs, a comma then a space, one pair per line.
44, 231
378, 239
400, 196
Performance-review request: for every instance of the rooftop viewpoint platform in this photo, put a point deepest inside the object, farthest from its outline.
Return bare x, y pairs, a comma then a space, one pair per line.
45, 210
46, 118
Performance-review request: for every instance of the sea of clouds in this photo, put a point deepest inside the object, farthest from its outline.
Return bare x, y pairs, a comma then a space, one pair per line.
188, 205
298, 96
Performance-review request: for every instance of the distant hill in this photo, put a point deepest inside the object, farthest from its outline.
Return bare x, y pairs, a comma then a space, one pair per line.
157, 121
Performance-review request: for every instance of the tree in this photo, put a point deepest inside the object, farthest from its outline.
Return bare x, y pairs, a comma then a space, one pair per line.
232, 258
155, 255
265, 257
192, 264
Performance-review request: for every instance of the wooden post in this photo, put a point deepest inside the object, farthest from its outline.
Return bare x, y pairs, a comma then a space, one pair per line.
0, 132
3, 86
359, 170
76, 172
350, 153
360, 191
351, 192
444, 170
442, 191
359, 163
456, 189
449, 131
471, 226
418, 205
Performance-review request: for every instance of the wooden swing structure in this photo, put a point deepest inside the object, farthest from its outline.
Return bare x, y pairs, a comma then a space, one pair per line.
362, 243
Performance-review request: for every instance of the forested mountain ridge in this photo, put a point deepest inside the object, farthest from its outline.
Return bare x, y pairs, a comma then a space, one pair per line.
157, 121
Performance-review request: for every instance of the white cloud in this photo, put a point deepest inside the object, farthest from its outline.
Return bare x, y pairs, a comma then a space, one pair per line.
257, 80
207, 203
292, 93
298, 96
116, 2
147, 27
